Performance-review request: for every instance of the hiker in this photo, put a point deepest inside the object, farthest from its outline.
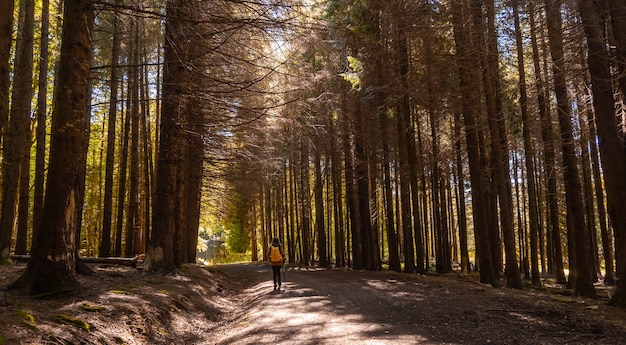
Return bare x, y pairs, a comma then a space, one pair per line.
277, 259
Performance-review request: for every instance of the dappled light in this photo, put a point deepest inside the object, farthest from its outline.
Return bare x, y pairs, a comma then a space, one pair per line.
343, 307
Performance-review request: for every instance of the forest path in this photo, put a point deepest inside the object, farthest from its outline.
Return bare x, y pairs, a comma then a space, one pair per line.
318, 306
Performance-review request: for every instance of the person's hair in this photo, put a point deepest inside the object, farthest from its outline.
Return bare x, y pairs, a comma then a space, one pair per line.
275, 241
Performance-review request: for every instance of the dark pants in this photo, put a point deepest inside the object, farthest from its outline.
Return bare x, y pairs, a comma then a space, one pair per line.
276, 275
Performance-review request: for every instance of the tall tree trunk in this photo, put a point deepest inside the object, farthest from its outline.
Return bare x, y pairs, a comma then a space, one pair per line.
195, 152
498, 136
121, 187
611, 147
160, 251
582, 270
467, 62
533, 205
42, 108
319, 208
16, 144
305, 205
392, 236
547, 134
53, 260
460, 188
107, 208
23, 84
6, 35
607, 240
133, 219
338, 210
362, 188
403, 114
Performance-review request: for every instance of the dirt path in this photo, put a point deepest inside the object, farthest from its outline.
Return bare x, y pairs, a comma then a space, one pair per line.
236, 304
348, 307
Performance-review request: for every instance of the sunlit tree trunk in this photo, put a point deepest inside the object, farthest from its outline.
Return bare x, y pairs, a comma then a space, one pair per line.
337, 186
499, 144
17, 136
160, 251
20, 109
533, 205
460, 197
547, 133
6, 34
573, 196
107, 208
403, 121
467, 61
319, 207
607, 238
53, 260
121, 186
42, 108
133, 219
305, 205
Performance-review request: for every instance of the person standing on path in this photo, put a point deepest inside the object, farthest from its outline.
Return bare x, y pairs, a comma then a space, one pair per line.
277, 259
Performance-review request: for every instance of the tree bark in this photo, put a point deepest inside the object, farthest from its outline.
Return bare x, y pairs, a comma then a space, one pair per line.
107, 208
17, 137
533, 206
611, 147
6, 34
42, 108
547, 134
21, 103
160, 251
582, 270
51, 268
467, 61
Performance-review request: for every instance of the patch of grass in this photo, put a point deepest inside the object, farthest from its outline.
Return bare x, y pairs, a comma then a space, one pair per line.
91, 307
73, 321
1, 339
122, 292
129, 286
165, 292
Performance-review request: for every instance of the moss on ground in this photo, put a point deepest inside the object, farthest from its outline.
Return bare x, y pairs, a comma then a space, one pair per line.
74, 322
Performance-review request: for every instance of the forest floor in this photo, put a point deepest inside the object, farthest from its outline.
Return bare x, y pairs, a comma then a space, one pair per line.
236, 304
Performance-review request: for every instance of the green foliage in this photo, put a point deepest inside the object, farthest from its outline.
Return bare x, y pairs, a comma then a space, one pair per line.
235, 224
235, 257
73, 321
237, 240
356, 69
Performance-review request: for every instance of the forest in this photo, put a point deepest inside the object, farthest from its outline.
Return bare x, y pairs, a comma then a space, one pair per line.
415, 136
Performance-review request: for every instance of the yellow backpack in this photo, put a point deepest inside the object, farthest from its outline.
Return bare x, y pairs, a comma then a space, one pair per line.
275, 255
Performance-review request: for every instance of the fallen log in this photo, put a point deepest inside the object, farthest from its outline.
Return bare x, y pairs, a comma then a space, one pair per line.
131, 262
